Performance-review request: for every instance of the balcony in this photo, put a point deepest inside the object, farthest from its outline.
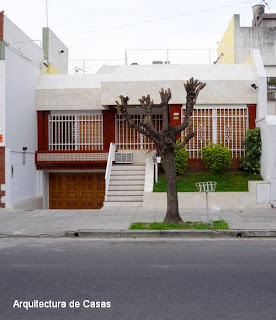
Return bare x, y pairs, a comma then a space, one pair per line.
71, 159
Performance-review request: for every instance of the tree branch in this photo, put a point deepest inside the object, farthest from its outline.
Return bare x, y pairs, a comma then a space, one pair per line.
147, 104
193, 88
122, 108
165, 96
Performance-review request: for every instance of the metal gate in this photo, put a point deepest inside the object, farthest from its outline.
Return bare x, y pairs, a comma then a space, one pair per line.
224, 125
130, 139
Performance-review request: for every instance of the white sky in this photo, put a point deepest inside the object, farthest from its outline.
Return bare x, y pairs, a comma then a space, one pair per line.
201, 30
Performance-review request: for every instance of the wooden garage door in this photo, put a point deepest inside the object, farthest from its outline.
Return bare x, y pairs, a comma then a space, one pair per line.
76, 190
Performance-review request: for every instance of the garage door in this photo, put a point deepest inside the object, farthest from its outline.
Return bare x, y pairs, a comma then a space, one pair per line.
76, 190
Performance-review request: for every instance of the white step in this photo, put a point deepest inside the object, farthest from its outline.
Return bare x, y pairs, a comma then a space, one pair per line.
126, 172
122, 204
125, 167
126, 187
125, 198
126, 178
125, 193
127, 182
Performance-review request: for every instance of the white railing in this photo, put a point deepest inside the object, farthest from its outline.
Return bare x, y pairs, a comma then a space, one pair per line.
83, 132
111, 158
223, 125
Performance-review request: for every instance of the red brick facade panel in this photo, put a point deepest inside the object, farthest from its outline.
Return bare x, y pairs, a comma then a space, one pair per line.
2, 26
251, 115
109, 117
2, 165
198, 165
42, 130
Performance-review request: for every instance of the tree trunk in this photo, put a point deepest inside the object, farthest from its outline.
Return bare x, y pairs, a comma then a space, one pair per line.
172, 215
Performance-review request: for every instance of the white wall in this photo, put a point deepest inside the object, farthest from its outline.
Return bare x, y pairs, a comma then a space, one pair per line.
261, 38
261, 83
21, 79
52, 48
2, 101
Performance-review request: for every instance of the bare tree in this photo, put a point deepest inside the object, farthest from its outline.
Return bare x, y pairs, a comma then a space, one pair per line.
165, 140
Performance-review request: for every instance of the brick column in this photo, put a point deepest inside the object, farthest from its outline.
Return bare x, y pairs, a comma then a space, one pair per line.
109, 117
2, 175
42, 130
175, 116
251, 115
2, 26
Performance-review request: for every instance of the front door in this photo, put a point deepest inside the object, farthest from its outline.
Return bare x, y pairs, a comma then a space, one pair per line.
76, 190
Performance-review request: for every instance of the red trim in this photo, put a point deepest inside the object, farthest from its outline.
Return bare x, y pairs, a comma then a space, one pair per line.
251, 115
2, 26
175, 114
198, 165
109, 117
70, 166
43, 130
2, 165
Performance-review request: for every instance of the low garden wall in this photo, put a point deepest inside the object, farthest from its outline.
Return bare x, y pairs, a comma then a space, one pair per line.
217, 200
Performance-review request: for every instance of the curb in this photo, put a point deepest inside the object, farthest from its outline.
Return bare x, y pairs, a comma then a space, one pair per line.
151, 234
206, 234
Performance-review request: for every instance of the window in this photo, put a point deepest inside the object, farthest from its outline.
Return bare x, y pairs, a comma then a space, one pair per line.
75, 132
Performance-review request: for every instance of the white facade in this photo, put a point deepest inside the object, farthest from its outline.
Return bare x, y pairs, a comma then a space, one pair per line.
226, 84
22, 72
2, 102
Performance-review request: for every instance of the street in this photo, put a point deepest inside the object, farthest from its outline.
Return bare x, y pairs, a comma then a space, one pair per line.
142, 279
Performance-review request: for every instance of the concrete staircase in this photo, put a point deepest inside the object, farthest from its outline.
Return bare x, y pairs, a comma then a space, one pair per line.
126, 186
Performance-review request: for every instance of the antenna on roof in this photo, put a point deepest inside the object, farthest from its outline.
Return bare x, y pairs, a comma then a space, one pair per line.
265, 3
47, 12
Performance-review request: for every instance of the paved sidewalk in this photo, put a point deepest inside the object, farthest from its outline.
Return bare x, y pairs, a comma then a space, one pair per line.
39, 222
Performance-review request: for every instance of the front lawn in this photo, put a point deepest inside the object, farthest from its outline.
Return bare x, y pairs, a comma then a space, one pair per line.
230, 181
217, 225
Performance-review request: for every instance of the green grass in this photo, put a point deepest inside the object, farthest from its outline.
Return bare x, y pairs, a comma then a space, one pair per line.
186, 225
230, 181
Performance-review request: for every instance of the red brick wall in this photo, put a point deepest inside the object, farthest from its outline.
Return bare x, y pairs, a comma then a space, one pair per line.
108, 127
2, 165
2, 172
175, 115
251, 115
42, 130
198, 165
2, 26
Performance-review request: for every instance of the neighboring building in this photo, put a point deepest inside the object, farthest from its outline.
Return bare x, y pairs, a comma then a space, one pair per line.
236, 47
20, 71
55, 53
21, 62
237, 42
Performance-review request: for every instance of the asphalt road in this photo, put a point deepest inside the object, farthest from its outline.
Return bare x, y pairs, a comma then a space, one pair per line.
206, 279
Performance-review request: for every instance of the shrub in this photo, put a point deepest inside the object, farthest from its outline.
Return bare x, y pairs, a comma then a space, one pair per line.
180, 160
216, 157
253, 143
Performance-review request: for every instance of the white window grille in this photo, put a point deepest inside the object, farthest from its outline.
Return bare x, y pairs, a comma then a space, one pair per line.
83, 132
224, 125
129, 139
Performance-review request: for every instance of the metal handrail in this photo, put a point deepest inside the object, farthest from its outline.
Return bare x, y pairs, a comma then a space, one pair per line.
111, 158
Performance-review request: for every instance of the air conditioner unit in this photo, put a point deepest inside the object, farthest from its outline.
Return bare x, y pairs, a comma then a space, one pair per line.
123, 157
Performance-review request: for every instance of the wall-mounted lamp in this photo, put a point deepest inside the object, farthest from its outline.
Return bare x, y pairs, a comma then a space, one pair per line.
24, 154
254, 86
61, 51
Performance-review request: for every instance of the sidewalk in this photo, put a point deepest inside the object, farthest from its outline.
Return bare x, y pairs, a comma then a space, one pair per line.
55, 222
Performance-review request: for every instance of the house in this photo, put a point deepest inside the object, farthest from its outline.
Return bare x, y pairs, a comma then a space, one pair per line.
78, 123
